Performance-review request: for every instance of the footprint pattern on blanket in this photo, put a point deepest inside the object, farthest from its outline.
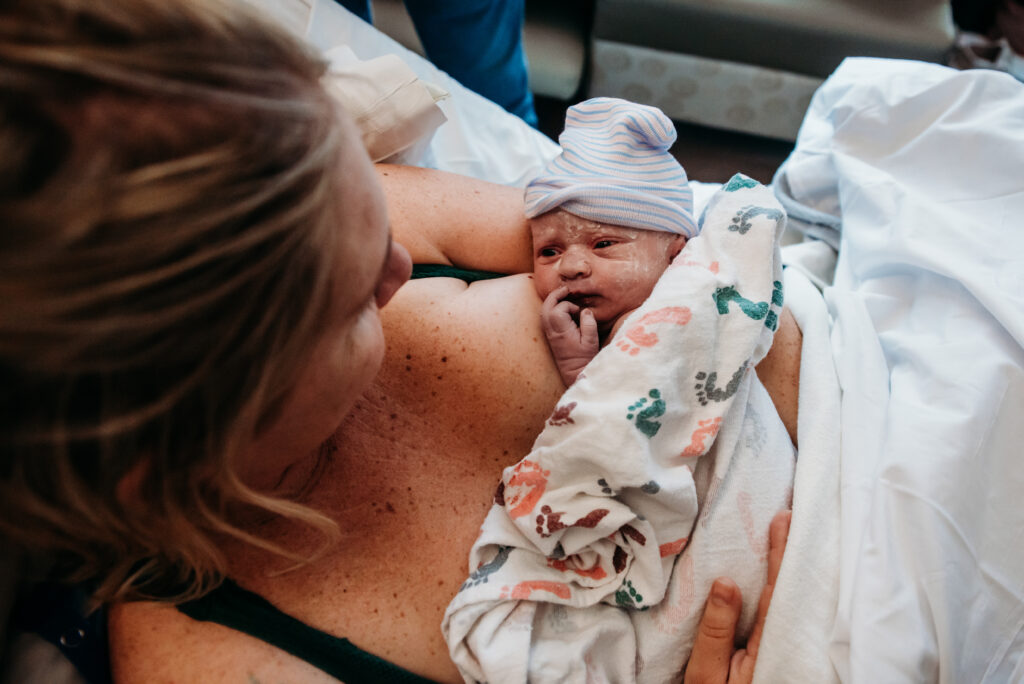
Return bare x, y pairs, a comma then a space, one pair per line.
645, 415
561, 621
629, 597
484, 572
707, 430
739, 182
679, 602
524, 589
771, 321
707, 385
572, 564
524, 488
650, 487
713, 266
754, 432
673, 548
723, 296
562, 415
549, 521
638, 337
741, 221
758, 542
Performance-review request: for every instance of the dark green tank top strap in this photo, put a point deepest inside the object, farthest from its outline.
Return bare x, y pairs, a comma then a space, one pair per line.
235, 607
448, 271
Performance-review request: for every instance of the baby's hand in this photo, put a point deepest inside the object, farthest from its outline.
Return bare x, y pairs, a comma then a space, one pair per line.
573, 346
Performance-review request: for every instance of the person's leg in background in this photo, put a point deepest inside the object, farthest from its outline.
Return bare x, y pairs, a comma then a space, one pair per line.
480, 44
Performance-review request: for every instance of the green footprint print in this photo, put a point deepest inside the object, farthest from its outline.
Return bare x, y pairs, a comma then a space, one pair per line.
771, 321
628, 597
724, 295
755, 310
708, 391
484, 572
739, 182
644, 415
741, 221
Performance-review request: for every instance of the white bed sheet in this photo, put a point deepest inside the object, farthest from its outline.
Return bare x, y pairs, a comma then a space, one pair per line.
921, 166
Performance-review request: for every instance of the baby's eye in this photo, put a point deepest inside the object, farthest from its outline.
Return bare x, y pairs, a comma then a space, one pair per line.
548, 252
600, 244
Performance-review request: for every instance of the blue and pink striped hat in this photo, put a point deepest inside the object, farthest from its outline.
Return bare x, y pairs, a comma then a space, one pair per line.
615, 168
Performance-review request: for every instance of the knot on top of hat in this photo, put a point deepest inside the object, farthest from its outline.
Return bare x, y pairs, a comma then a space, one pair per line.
615, 168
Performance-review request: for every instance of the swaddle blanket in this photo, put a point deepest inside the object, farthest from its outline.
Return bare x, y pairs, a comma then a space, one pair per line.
659, 470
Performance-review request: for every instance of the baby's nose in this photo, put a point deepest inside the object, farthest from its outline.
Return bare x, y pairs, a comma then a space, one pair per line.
574, 264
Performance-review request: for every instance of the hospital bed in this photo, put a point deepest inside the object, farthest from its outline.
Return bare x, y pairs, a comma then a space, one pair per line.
905, 560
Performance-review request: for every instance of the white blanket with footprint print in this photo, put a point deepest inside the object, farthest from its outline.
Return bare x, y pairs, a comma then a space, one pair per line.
660, 470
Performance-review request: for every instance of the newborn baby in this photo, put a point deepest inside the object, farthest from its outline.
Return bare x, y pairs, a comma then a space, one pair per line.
664, 462
607, 217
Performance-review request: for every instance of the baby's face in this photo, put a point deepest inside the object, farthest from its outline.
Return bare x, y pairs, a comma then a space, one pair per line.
608, 269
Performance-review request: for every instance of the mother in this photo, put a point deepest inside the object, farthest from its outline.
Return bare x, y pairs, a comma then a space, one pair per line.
194, 258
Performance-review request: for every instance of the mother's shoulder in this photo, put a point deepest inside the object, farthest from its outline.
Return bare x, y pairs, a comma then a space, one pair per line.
455, 350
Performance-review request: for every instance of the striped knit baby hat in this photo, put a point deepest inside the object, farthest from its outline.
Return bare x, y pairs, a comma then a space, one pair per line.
615, 168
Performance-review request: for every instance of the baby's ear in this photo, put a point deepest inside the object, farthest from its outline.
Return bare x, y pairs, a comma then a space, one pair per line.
676, 246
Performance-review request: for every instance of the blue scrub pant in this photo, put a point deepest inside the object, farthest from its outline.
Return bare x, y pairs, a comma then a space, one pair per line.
477, 42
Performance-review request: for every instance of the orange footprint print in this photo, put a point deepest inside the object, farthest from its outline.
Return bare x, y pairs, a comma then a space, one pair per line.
524, 589
574, 564
637, 336
524, 489
708, 429
676, 608
672, 548
713, 266
758, 542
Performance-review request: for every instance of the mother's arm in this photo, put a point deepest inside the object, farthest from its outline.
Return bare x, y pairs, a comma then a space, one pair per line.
779, 371
445, 218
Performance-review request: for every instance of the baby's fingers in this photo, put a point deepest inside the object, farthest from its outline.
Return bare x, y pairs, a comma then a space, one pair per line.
589, 338
556, 316
554, 298
559, 319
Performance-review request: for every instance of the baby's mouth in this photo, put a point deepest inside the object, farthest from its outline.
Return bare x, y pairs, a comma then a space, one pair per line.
581, 299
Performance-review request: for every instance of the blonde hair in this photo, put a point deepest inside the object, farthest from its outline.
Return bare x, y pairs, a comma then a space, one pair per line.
168, 173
